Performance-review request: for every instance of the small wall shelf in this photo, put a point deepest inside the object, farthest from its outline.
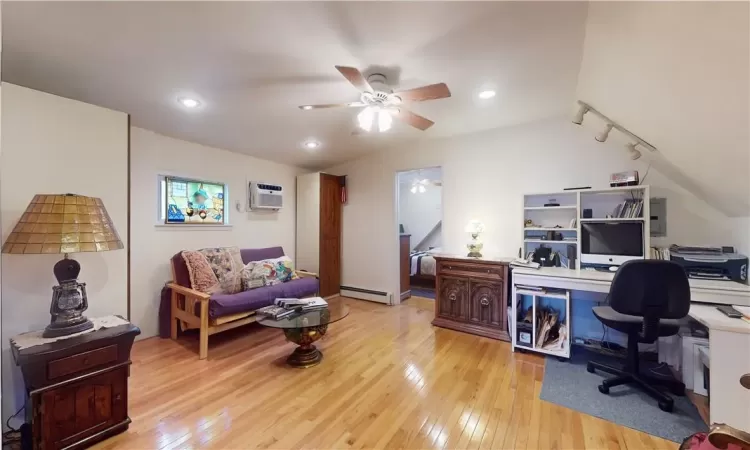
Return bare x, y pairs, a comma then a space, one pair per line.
549, 241
548, 229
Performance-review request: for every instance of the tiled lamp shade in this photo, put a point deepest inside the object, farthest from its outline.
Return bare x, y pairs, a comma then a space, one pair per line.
65, 223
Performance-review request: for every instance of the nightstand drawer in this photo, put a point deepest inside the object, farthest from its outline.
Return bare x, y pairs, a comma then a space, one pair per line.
81, 362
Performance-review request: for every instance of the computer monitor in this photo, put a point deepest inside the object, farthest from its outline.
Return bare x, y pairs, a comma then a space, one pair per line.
611, 243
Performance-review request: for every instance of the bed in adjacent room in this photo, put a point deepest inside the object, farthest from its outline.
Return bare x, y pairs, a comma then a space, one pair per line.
422, 268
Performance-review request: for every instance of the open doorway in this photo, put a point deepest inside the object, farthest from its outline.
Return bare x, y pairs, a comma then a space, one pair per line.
420, 219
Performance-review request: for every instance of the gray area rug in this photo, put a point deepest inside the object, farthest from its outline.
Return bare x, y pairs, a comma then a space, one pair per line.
420, 292
568, 384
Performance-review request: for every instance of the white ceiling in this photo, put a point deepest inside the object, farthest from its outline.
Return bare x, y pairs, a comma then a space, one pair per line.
253, 63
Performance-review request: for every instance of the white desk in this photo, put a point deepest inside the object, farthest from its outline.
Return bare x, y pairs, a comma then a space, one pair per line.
704, 291
729, 339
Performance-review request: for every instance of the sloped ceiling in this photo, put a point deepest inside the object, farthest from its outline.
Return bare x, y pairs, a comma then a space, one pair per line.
253, 63
677, 75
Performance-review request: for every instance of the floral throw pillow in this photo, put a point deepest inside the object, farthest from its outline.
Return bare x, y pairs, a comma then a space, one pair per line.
226, 263
268, 272
202, 277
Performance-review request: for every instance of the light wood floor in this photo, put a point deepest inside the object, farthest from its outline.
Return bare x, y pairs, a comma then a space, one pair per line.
388, 379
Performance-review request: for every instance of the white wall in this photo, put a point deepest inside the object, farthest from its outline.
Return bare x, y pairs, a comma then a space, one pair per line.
52, 145
485, 176
153, 154
676, 74
420, 212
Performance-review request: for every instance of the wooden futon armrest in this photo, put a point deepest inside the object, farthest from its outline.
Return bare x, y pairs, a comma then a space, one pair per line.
187, 292
304, 273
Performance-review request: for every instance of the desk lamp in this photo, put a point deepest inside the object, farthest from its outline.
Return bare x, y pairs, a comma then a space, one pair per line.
64, 224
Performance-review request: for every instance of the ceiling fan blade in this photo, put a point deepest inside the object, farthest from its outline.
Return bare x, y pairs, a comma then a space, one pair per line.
414, 120
333, 105
355, 77
420, 94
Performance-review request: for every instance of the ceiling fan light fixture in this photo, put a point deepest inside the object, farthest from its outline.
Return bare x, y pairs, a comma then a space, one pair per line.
366, 117
384, 121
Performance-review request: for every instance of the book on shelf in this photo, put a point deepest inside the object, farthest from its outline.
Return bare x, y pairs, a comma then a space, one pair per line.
629, 209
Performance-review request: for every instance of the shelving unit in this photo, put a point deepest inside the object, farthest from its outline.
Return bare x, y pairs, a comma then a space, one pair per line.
602, 203
560, 301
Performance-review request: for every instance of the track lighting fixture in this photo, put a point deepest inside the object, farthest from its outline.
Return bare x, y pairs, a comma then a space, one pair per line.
601, 137
634, 152
579, 117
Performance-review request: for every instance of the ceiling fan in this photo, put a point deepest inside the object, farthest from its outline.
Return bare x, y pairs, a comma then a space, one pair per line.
381, 104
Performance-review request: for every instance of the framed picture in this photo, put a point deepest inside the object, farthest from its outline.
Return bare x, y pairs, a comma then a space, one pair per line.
194, 202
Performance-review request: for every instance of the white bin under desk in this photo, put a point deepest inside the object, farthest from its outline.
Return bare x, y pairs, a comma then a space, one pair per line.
536, 296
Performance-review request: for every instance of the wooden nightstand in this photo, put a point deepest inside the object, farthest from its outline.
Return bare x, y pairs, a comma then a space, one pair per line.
77, 388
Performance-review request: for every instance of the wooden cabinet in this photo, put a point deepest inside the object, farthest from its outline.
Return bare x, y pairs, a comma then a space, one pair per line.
472, 296
404, 248
78, 387
319, 229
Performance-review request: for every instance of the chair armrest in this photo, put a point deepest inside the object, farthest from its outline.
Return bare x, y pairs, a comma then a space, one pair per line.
187, 292
304, 273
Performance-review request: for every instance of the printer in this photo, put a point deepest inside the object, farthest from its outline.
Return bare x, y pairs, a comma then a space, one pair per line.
711, 263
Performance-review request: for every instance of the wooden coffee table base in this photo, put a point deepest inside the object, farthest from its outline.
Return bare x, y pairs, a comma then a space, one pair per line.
306, 355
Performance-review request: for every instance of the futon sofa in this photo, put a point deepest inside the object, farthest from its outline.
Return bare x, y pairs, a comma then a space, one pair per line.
214, 313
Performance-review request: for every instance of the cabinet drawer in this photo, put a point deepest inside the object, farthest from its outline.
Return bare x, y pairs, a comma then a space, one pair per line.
81, 362
469, 270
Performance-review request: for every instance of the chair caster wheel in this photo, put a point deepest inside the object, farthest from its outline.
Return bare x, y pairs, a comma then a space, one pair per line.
666, 406
604, 389
589, 368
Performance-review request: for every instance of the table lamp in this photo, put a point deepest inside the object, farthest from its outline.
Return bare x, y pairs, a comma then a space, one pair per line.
474, 227
64, 224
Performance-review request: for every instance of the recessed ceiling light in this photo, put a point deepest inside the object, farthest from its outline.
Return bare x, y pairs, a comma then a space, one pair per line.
311, 144
189, 102
307, 107
484, 95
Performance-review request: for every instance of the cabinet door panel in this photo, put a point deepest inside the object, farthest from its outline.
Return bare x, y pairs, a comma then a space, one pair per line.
453, 298
485, 304
75, 411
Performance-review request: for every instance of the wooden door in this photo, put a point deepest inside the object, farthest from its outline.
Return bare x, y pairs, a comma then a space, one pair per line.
485, 303
405, 263
330, 235
76, 411
453, 298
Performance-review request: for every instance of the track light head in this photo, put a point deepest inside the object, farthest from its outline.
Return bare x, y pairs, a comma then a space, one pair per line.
578, 119
601, 137
634, 152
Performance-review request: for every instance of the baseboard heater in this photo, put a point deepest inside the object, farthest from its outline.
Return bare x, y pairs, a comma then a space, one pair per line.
367, 294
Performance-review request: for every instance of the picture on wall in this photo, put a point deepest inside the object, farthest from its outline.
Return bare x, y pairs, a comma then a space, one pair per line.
194, 202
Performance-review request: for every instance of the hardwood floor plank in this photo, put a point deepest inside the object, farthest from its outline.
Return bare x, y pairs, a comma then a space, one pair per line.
388, 379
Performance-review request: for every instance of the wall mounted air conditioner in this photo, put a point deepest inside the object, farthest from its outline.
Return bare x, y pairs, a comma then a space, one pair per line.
266, 196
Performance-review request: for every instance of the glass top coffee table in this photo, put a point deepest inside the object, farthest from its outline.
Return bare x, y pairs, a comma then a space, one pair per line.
304, 328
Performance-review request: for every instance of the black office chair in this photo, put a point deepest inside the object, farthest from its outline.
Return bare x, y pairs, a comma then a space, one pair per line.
646, 299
